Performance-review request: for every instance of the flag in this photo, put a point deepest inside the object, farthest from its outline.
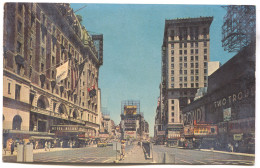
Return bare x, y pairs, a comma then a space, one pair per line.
62, 72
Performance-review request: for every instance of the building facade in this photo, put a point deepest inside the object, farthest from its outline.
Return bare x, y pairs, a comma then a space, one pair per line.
229, 103
185, 57
38, 38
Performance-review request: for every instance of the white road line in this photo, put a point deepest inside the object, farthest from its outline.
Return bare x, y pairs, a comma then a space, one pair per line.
200, 162
92, 160
106, 161
185, 161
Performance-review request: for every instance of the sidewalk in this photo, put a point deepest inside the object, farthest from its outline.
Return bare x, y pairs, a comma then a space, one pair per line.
218, 151
8, 153
135, 155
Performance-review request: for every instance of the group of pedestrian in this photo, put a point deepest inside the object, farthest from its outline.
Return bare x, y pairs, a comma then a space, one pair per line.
47, 146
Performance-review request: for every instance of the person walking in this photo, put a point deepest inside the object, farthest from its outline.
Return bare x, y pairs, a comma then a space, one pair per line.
45, 145
49, 145
122, 150
12, 147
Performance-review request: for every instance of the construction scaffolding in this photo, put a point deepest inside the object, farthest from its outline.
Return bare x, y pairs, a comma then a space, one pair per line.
128, 103
239, 28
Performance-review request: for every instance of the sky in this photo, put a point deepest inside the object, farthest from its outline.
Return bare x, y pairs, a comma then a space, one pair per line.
133, 36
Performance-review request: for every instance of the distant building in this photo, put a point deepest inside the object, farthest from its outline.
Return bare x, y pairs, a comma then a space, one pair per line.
213, 66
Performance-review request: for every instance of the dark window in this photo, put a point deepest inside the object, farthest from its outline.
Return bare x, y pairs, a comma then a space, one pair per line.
19, 26
42, 67
185, 85
180, 58
172, 72
185, 52
172, 101
53, 60
192, 51
196, 65
172, 59
172, 114
180, 52
205, 58
205, 71
19, 47
181, 72
196, 51
172, 51
192, 65
192, 71
172, 45
185, 45
192, 85
205, 44
172, 107
197, 85
205, 64
192, 78
17, 122
191, 58
52, 74
196, 71
196, 58
172, 78
180, 45
9, 88
197, 78
172, 120
191, 45
185, 79
42, 52
185, 72
205, 51
180, 79
17, 92
196, 44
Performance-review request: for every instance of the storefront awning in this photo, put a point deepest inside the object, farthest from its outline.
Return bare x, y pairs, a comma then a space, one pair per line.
41, 137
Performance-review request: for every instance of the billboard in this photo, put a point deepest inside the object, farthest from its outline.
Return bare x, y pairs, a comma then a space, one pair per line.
130, 110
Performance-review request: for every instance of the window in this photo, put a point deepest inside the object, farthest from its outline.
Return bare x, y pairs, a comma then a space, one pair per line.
192, 85
53, 60
172, 52
196, 65
185, 45
180, 72
19, 47
205, 58
180, 45
9, 88
180, 79
185, 72
191, 45
185, 52
172, 59
172, 72
196, 44
196, 58
196, 51
185, 85
17, 121
192, 78
172, 45
205, 51
17, 92
180, 52
196, 71
172, 120
197, 85
172, 65
205, 78
180, 58
172, 114
205, 71
192, 65
185, 65
82, 93
43, 52
19, 26
205, 84
172, 101
42, 67
197, 78
191, 51
192, 58
52, 74
205, 44
185, 58
172, 85
180, 85
192, 71
172, 79
185, 78
205, 64
180, 65
172, 107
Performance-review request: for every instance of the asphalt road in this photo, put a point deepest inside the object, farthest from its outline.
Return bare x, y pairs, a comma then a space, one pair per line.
191, 156
78, 155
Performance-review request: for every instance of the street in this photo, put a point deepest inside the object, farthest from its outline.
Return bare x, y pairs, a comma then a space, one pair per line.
204, 157
75, 155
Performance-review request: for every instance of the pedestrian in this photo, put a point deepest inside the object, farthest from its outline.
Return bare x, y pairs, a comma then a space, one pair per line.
122, 150
236, 146
45, 145
12, 147
49, 145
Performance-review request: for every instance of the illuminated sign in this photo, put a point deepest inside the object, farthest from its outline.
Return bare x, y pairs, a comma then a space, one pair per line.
130, 110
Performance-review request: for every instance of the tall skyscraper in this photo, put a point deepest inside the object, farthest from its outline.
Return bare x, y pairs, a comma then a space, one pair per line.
185, 57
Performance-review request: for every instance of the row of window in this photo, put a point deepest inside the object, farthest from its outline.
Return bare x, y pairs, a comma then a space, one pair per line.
185, 85
192, 58
192, 51
192, 78
185, 72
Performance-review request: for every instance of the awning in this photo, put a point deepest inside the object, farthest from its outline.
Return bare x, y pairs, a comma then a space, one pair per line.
84, 139
40, 137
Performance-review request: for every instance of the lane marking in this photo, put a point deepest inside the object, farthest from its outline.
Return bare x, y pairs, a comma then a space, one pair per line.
185, 161
200, 162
